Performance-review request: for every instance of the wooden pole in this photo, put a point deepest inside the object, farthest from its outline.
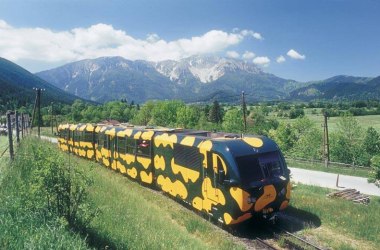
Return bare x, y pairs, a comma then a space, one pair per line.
22, 125
10, 140
244, 108
39, 112
17, 128
326, 147
51, 118
34, 110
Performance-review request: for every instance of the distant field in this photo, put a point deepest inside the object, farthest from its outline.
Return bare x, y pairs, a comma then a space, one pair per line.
364, 121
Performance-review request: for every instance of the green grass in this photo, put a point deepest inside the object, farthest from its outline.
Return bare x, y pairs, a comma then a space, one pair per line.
343, 224
45, 131
131, 217
364, 121
22, 226
359, 172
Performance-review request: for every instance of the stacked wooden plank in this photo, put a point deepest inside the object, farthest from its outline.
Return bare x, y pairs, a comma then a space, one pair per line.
352, 195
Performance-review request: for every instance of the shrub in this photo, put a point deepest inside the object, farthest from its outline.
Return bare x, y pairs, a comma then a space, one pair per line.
375, 174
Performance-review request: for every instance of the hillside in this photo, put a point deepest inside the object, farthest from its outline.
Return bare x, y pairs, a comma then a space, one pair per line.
339, 87
17, 85
191, 79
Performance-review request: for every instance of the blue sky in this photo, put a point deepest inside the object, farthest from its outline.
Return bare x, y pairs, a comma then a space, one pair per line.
317, 39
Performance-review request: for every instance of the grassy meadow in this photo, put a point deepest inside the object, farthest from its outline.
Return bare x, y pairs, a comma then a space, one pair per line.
364, 121
341, 224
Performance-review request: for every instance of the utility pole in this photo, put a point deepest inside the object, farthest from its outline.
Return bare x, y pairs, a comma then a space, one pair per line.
37, 106
244, 107
10, 139
326, 147
51, 118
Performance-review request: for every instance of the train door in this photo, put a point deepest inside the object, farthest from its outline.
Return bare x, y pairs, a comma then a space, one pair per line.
113, 150
215, 173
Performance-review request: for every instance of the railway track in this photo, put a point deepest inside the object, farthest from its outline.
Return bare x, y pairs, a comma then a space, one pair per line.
292, 241
274, 237
264, 244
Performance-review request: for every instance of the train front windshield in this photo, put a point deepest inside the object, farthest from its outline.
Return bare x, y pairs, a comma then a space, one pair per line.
255, 168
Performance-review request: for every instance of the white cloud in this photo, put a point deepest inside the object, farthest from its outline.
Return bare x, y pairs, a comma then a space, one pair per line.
262, 61
232, 54
45, 45
280, 59
295, 55
248, 55
152, 38
251, 33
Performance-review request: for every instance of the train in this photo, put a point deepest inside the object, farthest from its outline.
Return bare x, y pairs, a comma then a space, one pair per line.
228, 177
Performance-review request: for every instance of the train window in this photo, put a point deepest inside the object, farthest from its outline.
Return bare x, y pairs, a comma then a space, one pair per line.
76, 136
249, 169
271, 164
187, 156
121, 145
257, 167
131, 145
143, 147
100, 140
87, 136
106, 142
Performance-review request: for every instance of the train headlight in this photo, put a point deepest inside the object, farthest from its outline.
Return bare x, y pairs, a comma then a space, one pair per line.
251, 200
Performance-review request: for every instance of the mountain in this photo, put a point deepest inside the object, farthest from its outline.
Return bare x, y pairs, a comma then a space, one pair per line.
339, 87
17, 85
192, 79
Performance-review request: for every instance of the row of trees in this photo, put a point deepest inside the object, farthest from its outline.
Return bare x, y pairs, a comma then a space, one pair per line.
349, 143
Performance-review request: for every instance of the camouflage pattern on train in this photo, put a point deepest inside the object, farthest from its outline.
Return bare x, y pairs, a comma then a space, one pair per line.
226, 176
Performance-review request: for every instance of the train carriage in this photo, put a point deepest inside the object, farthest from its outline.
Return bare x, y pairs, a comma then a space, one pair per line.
223, 175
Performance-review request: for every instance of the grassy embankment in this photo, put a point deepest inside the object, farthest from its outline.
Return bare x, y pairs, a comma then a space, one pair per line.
344, 225
132, 216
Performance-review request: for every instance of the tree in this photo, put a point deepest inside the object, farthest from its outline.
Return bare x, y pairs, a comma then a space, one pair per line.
345, 143
296, 112
375, 174
233, 121
144, 115
283, 136
215, 113
371, 142
188, 116
164, 113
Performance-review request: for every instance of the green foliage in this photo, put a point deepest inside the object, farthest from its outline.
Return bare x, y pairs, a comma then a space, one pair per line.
346, 143
259, 123
296, 112
371, 142
215, 114
37, 207
233, 121
375, 174
164, 113
53, 186
188, 116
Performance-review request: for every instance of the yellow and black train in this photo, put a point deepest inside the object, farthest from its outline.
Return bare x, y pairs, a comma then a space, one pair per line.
225, 176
